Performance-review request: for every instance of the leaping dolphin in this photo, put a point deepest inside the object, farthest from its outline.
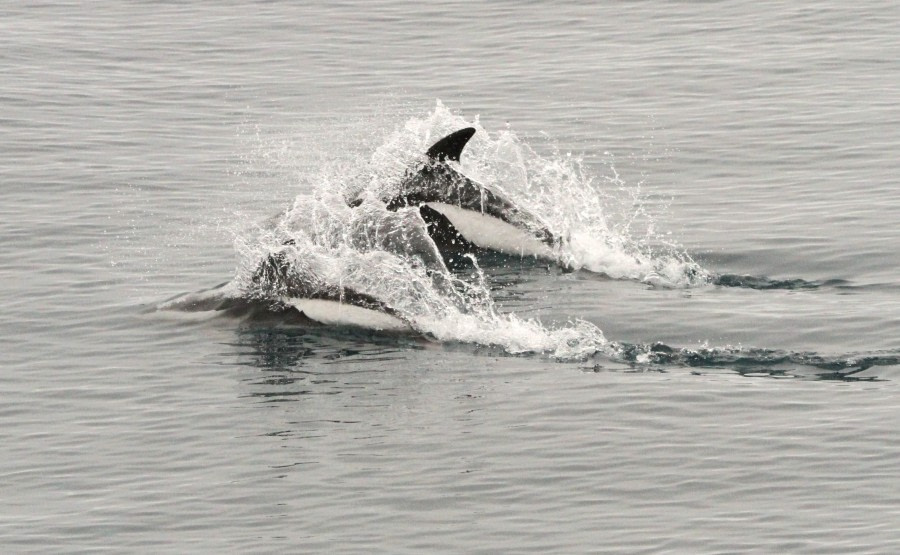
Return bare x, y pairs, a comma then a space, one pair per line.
463, 215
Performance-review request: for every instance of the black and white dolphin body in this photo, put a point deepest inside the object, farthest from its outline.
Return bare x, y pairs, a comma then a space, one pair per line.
280, 291
329, 304
465, 216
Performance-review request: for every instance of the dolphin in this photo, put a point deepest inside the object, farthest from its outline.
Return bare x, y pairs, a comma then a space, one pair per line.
285, 293
464, 216
333, 305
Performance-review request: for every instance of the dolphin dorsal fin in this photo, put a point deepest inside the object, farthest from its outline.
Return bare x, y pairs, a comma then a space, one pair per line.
451, 146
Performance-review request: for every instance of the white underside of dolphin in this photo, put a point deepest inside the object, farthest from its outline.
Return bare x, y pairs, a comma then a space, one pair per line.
488, 232
334, 313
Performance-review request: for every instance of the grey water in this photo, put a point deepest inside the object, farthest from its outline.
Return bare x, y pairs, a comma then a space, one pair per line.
756, 413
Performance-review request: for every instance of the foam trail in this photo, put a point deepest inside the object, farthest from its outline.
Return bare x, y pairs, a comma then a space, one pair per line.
755, 362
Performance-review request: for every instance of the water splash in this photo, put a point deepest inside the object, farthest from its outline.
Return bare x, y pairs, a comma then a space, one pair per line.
388, 255
596, 216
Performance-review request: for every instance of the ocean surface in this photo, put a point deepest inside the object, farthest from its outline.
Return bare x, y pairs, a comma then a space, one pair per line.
719, 373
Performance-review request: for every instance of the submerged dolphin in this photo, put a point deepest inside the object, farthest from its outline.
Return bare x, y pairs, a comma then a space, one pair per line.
463, 215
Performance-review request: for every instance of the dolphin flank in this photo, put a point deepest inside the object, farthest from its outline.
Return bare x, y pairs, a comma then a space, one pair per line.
463, 215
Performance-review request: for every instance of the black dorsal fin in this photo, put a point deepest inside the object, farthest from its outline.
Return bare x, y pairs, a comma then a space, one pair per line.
451, 146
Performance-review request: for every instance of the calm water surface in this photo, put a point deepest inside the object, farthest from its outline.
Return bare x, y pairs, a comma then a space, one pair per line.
137, 141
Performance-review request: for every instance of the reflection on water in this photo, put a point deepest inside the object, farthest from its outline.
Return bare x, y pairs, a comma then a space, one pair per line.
297, 361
